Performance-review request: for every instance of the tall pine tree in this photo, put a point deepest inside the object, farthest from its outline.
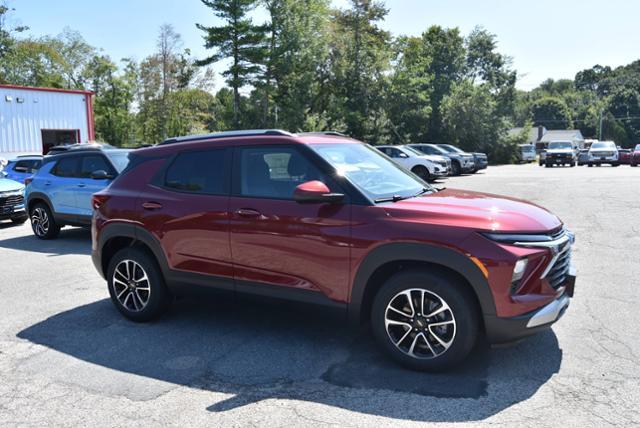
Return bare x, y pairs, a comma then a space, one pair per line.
238, 39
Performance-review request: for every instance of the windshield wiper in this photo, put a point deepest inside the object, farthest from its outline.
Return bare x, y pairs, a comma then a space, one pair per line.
396, 198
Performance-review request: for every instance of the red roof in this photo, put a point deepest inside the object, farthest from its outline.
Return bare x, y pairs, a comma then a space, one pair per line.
33, 88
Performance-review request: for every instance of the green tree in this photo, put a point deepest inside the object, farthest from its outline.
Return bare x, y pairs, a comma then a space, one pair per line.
471, 121
7, 31
446, 49
361, 58
552, 112
239, 39
408, 99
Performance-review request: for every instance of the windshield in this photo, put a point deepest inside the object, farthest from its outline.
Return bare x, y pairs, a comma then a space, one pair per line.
603, 145
120, 159
527, 149
374, 174
637, 148
560, 145
449, 148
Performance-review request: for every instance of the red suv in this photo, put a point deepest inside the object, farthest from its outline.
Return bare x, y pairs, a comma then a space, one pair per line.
325, 219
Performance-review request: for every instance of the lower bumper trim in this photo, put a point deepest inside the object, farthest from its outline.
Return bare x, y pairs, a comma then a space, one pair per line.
549, 313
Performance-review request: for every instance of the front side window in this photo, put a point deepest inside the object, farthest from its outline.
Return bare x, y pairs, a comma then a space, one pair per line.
376, 176
119, 159
66, 167
198, 172
274, 172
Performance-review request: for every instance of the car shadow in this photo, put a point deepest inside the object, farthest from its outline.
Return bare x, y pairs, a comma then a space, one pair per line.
75, 240
254, 351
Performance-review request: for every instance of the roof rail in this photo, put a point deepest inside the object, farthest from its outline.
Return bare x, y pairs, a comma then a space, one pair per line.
227, 134
334, 133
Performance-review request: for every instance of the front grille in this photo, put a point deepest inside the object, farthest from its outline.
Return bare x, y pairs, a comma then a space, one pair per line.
558, 273
8, 203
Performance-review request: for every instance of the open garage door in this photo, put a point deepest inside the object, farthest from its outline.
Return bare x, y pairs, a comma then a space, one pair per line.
58, 137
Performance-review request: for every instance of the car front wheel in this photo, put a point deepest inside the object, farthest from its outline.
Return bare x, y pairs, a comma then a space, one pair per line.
421, 172
136, 285
425, 321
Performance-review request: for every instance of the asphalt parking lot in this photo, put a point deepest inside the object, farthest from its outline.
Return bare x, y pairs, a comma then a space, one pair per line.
67, 358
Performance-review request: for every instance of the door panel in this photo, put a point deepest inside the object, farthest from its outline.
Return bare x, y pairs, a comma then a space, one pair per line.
87, 186
62, 184
188, 212
277, 241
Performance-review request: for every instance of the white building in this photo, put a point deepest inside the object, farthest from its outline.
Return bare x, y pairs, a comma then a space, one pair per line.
32, 120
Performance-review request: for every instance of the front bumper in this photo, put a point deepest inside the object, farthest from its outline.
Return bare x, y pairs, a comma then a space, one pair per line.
505, 330
559, 159
603, 159
7, 213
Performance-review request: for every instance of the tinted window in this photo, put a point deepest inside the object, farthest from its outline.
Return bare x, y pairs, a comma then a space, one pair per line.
26, 165
66, 167
274, 172
94, 163
198, 172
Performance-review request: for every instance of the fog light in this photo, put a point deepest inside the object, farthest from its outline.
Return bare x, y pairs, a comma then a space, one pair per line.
518, 269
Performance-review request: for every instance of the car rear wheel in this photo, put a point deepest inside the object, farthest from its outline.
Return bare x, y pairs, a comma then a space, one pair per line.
136, 285
43, 224
421, 172
425, 321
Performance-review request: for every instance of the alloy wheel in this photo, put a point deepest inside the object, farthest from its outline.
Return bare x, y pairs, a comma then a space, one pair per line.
40, 221
420, 323
131, 285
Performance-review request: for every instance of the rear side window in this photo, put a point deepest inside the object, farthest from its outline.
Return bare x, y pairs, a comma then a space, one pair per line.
66, 167
94, 163
198, 172
26, 165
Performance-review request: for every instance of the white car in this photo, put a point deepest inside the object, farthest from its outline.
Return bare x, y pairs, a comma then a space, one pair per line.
416, 162
603, 152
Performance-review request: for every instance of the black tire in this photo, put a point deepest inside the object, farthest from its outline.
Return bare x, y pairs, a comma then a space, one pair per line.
615, 164
463, 311
634, 165
43, 223
546, 165
455, 168
19, 220
590, 165
158, 297
422, 172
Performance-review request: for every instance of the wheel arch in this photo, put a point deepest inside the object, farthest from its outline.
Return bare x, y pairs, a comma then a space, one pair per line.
389, 259
115, 236
37, 197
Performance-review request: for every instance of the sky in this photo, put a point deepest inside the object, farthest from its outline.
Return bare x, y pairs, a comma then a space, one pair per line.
545, 39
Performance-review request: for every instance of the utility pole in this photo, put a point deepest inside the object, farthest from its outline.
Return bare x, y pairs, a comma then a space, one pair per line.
600, 127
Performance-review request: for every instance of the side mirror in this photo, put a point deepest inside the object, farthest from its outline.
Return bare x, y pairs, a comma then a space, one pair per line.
403, 155
316, 192
3, 174
100, 174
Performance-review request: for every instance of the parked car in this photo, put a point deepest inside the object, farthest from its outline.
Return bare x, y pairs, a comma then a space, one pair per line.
602, 152
326, 219
561, 153
22, 167
12, 201
624, 156
583, 157
635, 157
527, 153
60, 192
415, 162
480, 160
459, 163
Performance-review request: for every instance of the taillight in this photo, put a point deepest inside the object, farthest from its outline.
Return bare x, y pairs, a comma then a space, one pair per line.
28, 181
98, 200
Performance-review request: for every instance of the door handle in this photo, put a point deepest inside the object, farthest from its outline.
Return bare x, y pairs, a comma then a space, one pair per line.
82, 185
151, 205
247, 212
47, 183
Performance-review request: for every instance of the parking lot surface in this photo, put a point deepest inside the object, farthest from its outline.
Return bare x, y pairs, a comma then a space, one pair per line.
67, 358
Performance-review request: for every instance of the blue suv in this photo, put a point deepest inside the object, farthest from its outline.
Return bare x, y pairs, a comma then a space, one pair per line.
22, 167
59, 194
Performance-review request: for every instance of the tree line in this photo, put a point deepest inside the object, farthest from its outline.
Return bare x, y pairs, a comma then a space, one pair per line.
313, 67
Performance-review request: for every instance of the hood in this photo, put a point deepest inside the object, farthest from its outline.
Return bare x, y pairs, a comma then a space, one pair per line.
559, 150
434, 158
7, 185
480, 211
603, 149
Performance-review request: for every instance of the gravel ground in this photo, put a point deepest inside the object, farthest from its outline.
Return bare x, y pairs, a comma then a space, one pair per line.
67, 358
